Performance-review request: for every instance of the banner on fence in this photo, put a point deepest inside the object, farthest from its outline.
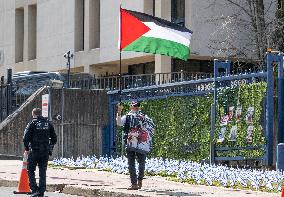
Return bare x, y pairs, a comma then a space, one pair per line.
44, 105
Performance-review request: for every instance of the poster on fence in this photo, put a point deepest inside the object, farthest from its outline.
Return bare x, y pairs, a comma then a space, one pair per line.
249, 116
249, 134
231, 113
221, 137
238, 113
233, 133
44, 105
224, 120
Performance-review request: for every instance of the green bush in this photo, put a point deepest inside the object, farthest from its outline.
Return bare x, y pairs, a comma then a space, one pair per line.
183, 123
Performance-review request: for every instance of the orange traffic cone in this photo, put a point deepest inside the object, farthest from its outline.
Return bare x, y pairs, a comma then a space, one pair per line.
23, 186
282, 195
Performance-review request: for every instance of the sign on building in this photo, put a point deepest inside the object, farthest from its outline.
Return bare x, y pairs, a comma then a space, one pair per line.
44, 105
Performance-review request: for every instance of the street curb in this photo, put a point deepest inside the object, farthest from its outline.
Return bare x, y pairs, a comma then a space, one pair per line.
6, 183
88, 192
10, 157
74, 190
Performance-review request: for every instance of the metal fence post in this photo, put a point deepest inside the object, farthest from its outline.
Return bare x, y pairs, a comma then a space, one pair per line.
8, 89
1, 98
111, 138
49, 89
213, 114
213, 119
280, 100
269, 111
217, 64
62, 121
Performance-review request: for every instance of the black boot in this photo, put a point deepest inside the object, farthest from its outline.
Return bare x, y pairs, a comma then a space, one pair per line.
34, 194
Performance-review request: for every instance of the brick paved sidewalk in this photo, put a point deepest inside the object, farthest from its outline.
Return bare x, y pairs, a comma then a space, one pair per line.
100, 183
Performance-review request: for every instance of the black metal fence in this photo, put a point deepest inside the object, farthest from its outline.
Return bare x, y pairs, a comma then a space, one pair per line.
6, 95
13, 93
135, 81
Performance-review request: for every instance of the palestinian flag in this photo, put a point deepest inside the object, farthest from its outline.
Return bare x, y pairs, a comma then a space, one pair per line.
144, 33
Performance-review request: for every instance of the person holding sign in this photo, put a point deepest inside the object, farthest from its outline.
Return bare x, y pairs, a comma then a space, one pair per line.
138, 131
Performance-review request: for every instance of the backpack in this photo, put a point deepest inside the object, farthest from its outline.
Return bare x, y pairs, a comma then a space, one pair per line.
138, 132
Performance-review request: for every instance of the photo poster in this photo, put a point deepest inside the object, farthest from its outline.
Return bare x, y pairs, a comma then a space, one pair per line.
222, 134
233, 133
231, 113
238, 113
249, 115
224, 120
249, 134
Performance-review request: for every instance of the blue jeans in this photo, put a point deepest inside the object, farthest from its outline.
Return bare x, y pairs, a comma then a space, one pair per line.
141, 159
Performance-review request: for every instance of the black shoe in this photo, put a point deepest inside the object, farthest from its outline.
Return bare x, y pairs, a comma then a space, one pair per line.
41, 195
34, 194
133, 187
139, 184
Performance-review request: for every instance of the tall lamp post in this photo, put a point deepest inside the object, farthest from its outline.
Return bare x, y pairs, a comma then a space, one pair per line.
68, 55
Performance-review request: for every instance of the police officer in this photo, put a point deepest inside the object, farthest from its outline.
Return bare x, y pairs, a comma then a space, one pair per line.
39, 139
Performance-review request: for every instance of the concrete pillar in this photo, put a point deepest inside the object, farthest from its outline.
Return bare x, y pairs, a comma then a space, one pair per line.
188, 14
163, 10
87, 26
148, 7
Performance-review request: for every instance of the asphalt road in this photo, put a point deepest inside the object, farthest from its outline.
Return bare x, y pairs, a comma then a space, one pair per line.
8, 192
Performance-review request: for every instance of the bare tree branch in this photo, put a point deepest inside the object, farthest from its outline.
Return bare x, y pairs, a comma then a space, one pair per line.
251, 19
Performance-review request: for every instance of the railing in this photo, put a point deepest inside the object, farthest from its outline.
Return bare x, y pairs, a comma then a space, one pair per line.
13, 94
135, 81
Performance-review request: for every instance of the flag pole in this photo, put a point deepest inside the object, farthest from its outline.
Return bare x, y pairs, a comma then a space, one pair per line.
120, 77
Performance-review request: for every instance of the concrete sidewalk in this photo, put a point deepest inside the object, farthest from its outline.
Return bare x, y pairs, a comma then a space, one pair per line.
100, 183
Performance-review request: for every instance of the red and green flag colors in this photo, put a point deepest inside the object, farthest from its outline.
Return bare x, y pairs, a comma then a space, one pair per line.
144, 33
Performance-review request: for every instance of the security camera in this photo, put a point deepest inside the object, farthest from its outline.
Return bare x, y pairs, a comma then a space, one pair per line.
68, 54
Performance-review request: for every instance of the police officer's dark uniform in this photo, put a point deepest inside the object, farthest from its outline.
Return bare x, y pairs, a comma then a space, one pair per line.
39, 137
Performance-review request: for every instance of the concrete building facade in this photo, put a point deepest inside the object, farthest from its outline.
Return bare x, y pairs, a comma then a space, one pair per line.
35, 34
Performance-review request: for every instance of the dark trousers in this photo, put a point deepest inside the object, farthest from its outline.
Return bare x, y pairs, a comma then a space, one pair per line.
141, 158
41, 159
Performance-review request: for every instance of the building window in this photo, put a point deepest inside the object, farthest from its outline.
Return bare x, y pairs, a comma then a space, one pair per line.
178, 11
94, 24
19, 35
79, 24
32, 15
193, 66
143, 68
280, 4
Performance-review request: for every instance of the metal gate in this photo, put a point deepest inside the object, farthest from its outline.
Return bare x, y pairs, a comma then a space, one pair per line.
212, 86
